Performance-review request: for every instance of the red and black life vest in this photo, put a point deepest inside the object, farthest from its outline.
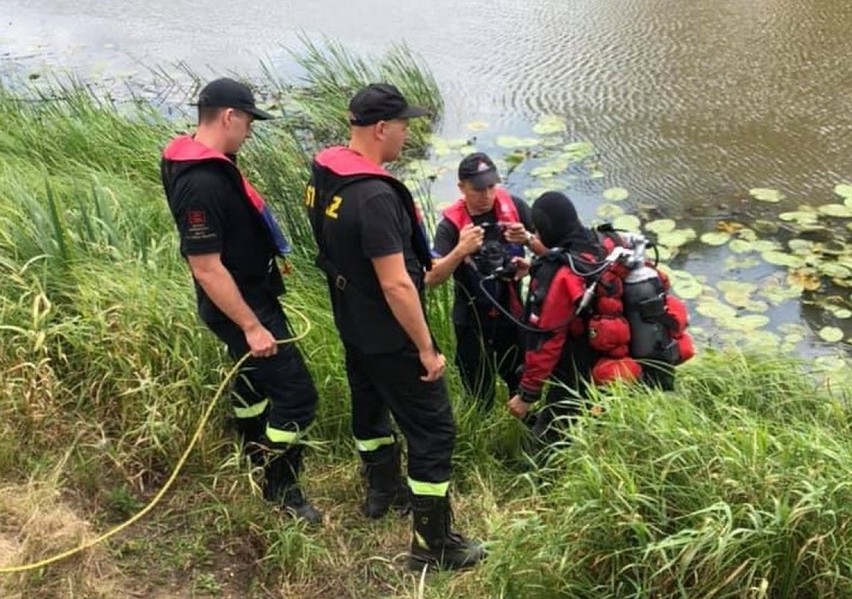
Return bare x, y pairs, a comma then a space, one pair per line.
504, 206
185, 149
334, 169
506, 212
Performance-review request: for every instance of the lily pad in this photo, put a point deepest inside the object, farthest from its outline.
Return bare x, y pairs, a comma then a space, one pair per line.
596, 174
778, 292
578, 150
713, 308
440, 147
794, 338
766, 245
836, 210
458, 143
766, 195
747, 234
740, 263
676, 238
685, 285
802, 247
740, 246
549, 170
616, 194
781, 259
627, 222
423, 169
715, 238
832, 247
758, 341
793, 328
836, 370
477, 126
749, 322
838, 311
844, 190
609, 211
511, 141
515, 157
737, 293
830, 334
663, 225
765, 227
834, 270
800, 217
550, 124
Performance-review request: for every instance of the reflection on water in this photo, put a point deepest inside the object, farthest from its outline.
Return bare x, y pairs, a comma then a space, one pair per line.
684, 99
689, 104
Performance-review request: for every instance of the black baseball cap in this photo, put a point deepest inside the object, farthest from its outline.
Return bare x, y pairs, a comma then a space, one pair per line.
227, 93
380, 102
479, 169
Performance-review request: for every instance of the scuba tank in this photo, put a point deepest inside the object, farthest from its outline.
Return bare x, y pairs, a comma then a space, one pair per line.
645, 309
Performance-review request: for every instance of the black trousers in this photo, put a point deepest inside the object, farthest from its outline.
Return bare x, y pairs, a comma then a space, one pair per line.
283, 379
485, 350
568, 392
389, 384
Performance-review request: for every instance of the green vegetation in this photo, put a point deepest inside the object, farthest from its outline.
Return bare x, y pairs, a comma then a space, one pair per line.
737, 485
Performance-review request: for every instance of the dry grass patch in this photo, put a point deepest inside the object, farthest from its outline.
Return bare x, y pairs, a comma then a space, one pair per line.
35, 524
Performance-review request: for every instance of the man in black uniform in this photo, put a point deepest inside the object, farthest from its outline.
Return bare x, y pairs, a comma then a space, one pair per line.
230, 240
481, 236
373, 249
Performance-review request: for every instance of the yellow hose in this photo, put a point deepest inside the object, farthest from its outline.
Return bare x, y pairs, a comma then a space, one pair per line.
161, 493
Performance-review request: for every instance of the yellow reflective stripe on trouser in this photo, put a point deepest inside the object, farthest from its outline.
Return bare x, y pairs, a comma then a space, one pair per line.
276, 435
250, 411
373, 444
431, 489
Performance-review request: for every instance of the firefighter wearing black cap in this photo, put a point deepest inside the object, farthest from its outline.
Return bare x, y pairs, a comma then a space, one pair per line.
230, 240
480, 242
373, 250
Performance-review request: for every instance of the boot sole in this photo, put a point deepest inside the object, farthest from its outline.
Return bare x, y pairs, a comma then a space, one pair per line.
418, 563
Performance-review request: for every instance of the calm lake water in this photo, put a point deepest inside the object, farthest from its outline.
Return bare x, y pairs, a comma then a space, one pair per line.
689, 104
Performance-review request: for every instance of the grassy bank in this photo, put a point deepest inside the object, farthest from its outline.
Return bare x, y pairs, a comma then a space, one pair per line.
737, 485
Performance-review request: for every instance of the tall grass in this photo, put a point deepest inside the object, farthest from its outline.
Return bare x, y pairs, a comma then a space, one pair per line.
736, 485
331, 75
666, 496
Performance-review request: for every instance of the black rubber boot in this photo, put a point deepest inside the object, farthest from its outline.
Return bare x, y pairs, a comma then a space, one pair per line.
385, 487
435, 544
252, 437
281, 484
